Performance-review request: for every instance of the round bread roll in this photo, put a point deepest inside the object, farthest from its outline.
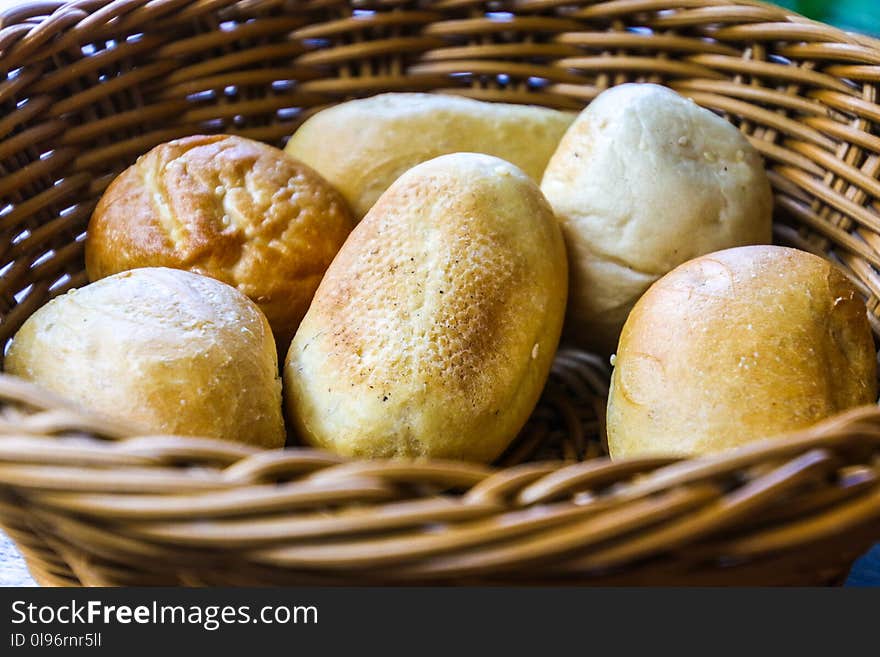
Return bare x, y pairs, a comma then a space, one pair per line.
642, 181
175, 352
434, 330
736, 346
364, 145
227, 207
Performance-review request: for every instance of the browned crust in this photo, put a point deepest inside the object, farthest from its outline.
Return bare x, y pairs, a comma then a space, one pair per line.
739, 345
226, 207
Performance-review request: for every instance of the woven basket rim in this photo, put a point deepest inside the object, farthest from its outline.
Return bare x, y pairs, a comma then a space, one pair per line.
24, 11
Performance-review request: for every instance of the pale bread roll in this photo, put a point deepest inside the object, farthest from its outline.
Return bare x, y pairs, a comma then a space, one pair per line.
362, 146
172, 351
433, 332
226, 207
736, 346
642, 181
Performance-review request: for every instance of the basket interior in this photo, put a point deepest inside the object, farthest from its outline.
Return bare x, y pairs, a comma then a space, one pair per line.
97, 84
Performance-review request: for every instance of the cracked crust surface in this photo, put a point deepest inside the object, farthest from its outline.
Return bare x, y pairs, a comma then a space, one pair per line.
435, 327
642, 181
226, 207
735, 346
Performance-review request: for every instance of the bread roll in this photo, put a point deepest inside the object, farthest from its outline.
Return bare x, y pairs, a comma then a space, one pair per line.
642, 181
229, 208
363, 146
172, 351
433, 332
735, 346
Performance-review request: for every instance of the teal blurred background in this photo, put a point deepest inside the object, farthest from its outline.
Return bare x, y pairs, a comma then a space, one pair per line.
856, 15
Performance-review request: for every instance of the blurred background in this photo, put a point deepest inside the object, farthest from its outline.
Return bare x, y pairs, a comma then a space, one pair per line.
856, 15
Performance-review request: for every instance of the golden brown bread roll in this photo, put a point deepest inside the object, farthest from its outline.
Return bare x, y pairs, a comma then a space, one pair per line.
226, 207
735, 346
433, 332
362, 146
642, 181
172, 351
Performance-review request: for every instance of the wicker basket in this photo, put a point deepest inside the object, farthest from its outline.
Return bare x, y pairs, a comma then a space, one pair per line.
89, 85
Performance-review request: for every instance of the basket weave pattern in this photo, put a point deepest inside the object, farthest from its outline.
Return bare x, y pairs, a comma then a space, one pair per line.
87, 86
